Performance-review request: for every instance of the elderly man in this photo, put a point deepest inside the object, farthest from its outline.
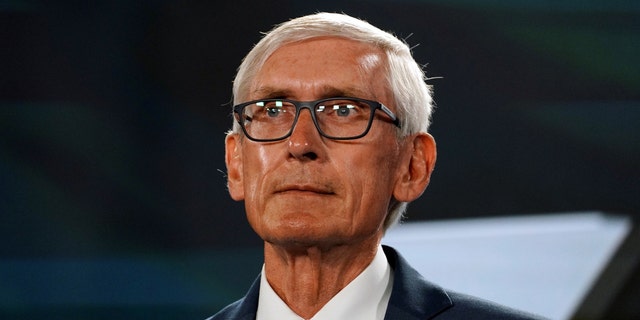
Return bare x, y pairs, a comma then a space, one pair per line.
329, 145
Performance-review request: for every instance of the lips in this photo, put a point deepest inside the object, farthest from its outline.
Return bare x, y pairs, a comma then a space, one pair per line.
304, 188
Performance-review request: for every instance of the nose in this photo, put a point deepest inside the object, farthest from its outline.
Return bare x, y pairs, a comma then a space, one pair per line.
305, 140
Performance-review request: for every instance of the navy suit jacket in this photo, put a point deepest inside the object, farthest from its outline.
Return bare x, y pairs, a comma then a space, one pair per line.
412, 298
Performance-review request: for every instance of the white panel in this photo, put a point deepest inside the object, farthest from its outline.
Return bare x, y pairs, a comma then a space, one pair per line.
543, 263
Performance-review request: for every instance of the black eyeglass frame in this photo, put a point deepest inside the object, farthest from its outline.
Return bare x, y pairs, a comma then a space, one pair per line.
310, 105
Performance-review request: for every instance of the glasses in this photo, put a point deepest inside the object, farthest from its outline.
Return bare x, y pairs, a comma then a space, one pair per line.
340, 118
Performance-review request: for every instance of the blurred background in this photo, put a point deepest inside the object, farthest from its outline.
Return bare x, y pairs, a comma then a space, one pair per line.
113, 114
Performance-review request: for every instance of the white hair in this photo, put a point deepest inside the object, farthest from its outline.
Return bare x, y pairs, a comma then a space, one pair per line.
405, 77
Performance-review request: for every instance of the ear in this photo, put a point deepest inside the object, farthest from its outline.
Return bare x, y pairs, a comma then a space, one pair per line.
233, 160
416, 167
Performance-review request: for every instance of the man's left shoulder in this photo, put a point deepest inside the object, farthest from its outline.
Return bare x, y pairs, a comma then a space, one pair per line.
470, 307
413, 297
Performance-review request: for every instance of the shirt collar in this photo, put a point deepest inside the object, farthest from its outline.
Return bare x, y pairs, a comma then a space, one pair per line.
366, 297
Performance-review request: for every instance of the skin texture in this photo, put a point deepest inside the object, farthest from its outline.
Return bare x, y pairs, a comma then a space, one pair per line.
320, 204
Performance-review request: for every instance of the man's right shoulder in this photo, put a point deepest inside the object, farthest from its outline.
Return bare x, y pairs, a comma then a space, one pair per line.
232, 311
243, 309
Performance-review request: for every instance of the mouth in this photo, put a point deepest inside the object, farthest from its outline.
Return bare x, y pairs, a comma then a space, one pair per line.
305, 189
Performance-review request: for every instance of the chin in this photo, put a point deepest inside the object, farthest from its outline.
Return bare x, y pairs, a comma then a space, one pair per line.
300, 228
291, 237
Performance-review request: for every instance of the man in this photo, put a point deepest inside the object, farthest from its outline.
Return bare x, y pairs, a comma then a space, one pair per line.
329, 145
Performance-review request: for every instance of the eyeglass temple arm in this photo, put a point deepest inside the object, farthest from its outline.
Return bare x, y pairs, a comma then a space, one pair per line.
391, 115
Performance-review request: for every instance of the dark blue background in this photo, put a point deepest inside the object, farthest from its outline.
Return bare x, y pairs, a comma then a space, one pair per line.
113, 114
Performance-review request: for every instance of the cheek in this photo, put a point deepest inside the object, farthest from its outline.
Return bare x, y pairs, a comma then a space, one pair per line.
255, 171
370, 177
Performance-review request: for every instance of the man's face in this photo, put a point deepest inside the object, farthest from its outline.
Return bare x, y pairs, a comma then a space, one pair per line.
308, 190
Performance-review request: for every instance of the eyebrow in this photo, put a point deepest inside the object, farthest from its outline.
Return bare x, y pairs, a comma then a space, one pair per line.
327, 91
270, 92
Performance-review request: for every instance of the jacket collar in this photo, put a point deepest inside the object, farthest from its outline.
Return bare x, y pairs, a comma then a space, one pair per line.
412, 296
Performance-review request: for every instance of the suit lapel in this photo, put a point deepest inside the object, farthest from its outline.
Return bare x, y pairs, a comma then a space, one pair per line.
412, 297
247, 307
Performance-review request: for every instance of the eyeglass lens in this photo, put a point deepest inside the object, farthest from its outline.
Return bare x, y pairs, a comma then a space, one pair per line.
274, 119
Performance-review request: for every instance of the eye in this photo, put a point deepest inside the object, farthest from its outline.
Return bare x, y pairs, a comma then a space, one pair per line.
272, 109
273, 112
343, 110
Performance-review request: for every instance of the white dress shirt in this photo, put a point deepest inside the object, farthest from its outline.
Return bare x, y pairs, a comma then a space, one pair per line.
364, 298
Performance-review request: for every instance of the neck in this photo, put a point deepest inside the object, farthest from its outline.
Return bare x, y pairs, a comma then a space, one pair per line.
307, 278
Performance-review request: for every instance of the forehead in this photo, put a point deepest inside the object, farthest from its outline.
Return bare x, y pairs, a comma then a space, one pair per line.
326, 66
